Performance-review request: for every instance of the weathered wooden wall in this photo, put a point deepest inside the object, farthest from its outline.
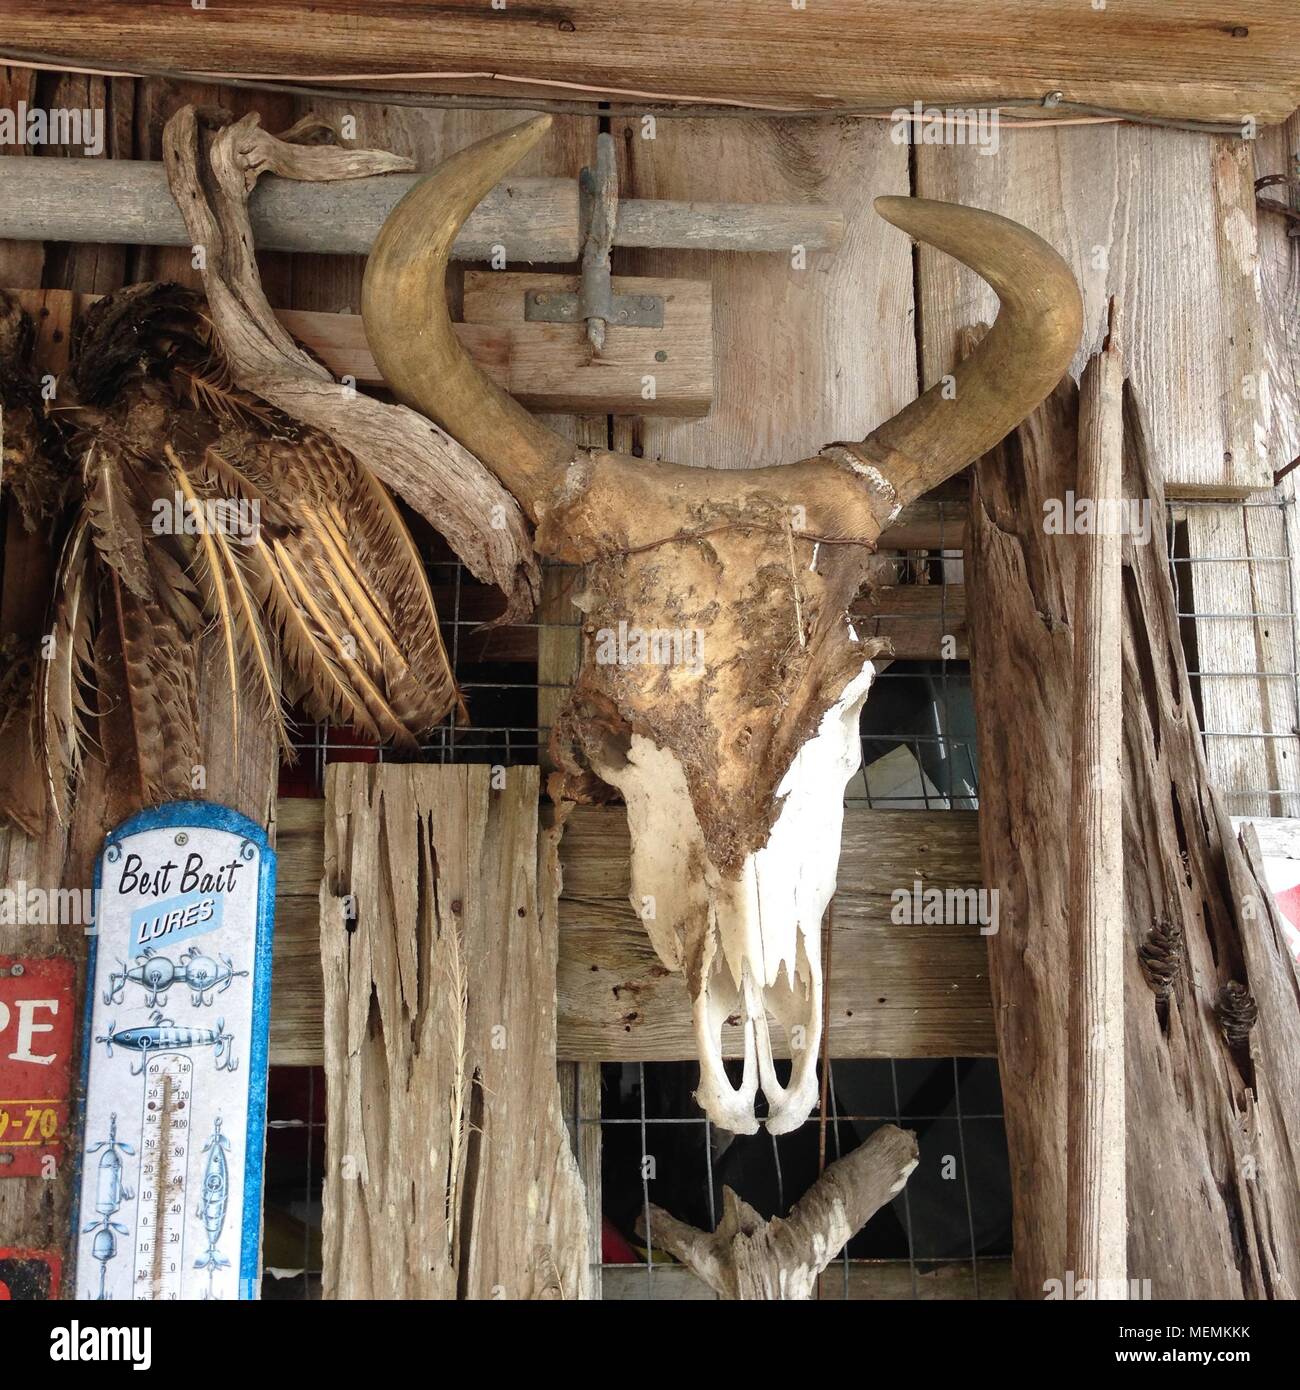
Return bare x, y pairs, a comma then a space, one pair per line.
898, 989
808, 351
1192, 59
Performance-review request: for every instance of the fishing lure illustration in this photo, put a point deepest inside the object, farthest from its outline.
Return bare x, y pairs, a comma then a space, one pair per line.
110, 1193
155, 974
212, 1203
164, 1035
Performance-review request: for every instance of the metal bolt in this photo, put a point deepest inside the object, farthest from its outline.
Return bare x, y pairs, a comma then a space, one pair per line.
17, 969
182, 838
661, 356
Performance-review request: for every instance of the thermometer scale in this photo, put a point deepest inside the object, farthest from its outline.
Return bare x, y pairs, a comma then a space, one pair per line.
164, 1159
176, 1038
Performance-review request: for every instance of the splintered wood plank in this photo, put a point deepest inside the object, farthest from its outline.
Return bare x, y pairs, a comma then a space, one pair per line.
896, 990
1194, 59
1243, 606
1164, 220
812, 347
449, 1172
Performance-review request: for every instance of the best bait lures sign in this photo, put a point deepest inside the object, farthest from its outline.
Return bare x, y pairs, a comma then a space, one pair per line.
175, 1058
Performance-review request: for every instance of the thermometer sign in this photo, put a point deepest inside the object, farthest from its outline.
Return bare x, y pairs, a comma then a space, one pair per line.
175, 1059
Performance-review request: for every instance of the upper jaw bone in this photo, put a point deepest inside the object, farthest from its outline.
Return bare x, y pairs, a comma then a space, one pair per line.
750, 946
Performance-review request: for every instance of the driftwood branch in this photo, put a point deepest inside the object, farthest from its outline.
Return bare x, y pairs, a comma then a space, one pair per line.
1096, 1222
211, 176
749, 1258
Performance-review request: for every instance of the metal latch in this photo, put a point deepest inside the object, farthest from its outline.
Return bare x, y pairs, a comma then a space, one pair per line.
595, 302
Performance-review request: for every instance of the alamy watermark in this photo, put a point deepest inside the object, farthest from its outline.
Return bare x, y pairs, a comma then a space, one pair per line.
59, 125
922, 906
928, 125
238, 518
658, 646
1098, 516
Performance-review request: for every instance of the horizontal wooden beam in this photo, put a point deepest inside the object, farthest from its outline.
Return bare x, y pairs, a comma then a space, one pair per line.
896, 990
1194, 59
550, 366
127, 202
545, 366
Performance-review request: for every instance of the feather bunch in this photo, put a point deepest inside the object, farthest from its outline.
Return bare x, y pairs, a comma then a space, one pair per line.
205, 518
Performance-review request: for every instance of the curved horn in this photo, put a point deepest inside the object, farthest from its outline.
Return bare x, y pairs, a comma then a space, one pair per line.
404, 308
1016, 366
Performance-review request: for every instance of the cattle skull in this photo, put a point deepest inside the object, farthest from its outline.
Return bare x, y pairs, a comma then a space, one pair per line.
733, 764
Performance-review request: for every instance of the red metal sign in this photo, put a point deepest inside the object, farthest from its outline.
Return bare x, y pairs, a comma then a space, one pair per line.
36, 1026
29, 1276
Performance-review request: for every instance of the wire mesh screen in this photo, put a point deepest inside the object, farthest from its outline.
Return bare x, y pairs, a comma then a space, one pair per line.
948, 1233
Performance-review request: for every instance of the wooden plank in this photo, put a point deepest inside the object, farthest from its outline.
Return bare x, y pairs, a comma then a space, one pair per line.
127, 202
862, 1280
1277, 152
438, 956
1192, 60
1097, 1220
551, 366
811, 348
896, 990
1246, 664
1124, 205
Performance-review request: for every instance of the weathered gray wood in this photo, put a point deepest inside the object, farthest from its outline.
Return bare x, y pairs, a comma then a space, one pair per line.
1095, 1228
1021, 654
125, 201
810, 347
1125, 206
449, 1172
701, 226
1213, 1206
896, 990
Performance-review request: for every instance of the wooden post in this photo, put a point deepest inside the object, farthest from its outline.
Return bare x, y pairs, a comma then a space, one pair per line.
1213, 1207
1096, 1225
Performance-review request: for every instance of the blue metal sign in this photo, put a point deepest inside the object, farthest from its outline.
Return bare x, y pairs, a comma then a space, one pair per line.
174, 1059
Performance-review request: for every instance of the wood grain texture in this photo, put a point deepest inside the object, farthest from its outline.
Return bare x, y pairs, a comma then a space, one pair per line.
125, 202
449, 1172
1096, 1231
805, 356
1277, 152
1192, 60
896, 990
1163, 220
549, 367
1213, 1208
1022, 651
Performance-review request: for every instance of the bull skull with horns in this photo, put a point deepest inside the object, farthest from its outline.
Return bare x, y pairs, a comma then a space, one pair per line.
732, 767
